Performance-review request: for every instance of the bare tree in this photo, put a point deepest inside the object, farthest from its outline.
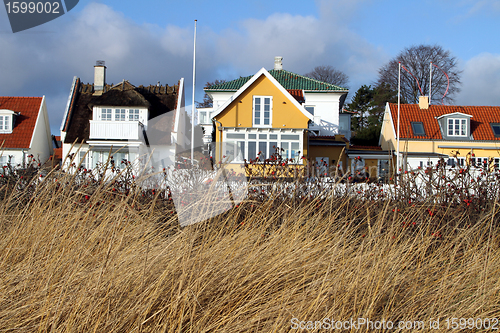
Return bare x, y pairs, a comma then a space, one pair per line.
417, 59
329, 74
207, 102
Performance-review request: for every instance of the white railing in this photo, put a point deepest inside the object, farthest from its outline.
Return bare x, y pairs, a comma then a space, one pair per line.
328, 128
115, 130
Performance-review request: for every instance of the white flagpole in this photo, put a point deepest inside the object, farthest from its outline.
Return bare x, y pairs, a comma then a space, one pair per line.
399, 108
193, 109
430, 84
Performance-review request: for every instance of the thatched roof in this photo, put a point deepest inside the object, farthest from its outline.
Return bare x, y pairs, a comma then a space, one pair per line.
159, 100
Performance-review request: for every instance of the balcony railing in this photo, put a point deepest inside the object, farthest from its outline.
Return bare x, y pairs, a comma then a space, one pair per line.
115, 130
326, 128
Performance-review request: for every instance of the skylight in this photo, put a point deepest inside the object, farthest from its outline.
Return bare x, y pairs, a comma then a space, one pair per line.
418, 128
496, 129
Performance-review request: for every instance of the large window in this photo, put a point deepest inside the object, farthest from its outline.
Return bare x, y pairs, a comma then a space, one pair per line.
241, 146
457, 127
5, 124
108, 114
262, 111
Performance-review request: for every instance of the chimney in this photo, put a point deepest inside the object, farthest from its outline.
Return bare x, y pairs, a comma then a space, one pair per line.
423, 102
99, 77
278, 63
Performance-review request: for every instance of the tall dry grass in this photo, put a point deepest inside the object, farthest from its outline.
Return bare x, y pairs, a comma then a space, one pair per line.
79, 260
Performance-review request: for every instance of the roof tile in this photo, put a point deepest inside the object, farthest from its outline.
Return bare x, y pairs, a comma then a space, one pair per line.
288, 80
480, 127
24, 123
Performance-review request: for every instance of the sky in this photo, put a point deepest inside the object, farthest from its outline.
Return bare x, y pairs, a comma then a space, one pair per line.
150, 41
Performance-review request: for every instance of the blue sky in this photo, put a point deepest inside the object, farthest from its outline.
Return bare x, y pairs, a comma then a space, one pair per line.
150, 41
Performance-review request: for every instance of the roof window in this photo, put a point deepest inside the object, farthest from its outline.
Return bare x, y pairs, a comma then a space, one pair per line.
418, 128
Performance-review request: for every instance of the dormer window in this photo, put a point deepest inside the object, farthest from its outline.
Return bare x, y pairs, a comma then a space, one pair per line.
457, 127
5, 123
121, 114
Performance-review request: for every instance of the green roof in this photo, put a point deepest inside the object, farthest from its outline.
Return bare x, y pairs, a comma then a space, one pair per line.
287, 79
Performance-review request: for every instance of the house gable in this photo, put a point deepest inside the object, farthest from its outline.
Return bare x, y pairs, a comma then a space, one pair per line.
286, 111
27, 111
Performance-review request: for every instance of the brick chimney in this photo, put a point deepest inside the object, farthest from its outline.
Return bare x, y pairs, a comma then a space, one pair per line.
99, 77
278, 63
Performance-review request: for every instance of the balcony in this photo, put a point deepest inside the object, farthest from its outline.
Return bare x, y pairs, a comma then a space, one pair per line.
115, 130
325, 128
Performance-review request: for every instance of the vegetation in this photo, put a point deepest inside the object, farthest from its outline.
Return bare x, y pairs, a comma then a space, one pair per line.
330, 75
417, 60
80, 253
368, 106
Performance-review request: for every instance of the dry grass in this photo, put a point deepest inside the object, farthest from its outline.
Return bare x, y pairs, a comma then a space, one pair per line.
119, 263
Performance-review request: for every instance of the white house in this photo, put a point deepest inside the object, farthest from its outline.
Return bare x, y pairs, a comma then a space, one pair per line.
24, 131
127, 121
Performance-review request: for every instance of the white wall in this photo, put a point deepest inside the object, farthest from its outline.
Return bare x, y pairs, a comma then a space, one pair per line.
326, 105
41, 142
220, 97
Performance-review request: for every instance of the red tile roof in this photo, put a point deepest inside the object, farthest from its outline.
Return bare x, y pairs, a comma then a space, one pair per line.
24, 124
58, 154
298, 94
480, 127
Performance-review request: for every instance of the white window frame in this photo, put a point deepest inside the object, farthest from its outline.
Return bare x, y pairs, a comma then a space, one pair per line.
119, 114
462, 125
106, 114
5, 123
261, 111
282, 139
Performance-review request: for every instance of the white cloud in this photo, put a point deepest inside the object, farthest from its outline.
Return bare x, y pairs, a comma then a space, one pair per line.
39, 63
481, 81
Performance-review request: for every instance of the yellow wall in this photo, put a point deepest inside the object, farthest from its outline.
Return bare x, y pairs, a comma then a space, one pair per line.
332, 152
284, 113
239, 112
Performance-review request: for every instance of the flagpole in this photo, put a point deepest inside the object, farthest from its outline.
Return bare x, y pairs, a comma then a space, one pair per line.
399, 111
430, 83
193, 109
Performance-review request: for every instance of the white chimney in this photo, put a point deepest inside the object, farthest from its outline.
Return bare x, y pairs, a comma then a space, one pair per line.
99, 77
278, 63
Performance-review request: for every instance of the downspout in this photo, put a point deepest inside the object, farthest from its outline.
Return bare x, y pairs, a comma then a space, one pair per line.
220, 139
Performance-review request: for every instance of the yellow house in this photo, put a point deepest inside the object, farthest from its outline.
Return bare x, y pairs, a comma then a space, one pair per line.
427, 133
254, 116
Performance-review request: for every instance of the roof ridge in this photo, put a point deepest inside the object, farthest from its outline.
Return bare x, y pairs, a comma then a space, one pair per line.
307, 78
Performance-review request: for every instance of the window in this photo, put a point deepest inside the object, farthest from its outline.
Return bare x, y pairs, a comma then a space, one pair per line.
496, 129
106, 114
262, 111
203, 117
133, 115
83, 159
120, 114
242, 146
457, 127
310, 109
418, 128
5, 124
